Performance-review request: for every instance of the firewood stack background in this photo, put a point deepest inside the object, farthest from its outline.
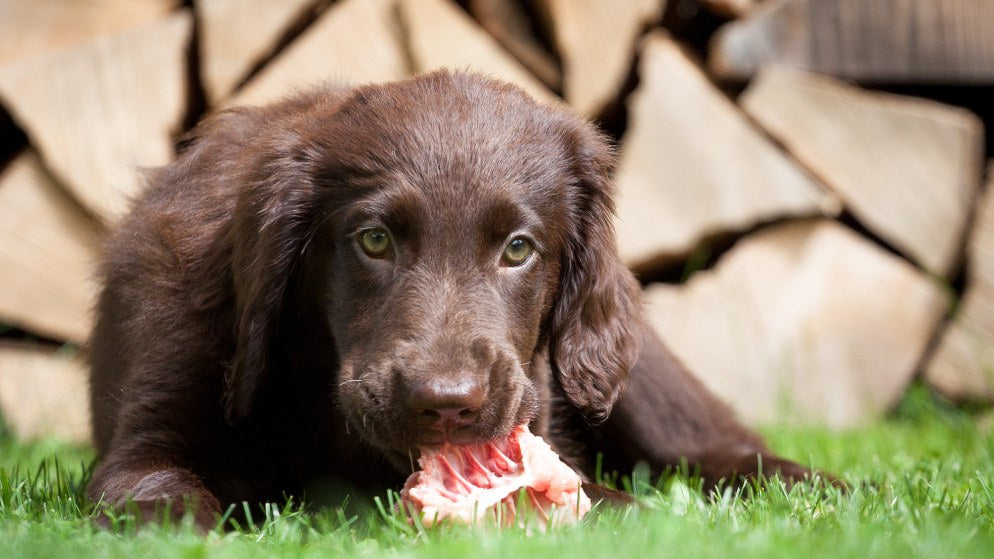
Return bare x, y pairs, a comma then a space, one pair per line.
802, 182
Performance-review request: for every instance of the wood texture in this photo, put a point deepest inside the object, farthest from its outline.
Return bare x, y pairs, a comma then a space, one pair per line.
908, 168
236, 34
963, 365
30, 27
802, 323
920, 41
100, 111
692, 166
596, 41
441, 35
507, 22
47, 253
354, 41
43, 393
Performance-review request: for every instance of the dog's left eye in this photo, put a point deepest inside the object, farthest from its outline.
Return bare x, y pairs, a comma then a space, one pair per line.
517, 252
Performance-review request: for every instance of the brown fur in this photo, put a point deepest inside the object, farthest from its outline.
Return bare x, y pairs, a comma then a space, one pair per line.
247, 347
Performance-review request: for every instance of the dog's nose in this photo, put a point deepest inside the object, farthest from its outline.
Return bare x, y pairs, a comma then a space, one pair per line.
447, 405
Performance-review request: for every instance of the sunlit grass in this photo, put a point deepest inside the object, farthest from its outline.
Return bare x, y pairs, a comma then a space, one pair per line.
921, 487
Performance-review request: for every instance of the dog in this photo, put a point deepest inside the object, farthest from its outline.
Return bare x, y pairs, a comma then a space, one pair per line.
315, 289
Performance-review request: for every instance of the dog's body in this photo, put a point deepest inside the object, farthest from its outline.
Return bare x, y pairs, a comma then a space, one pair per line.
315, 289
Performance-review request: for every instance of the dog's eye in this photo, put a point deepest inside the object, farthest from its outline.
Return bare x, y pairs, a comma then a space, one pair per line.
375, 242
517, 252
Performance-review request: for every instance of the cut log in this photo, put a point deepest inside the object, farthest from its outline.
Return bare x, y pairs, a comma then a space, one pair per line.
908, 169
100, 111
43, 393
905, 41
354, 41
963, 365
805, 322
47, 254
441, 35
236, 34
596, 41
692, 166
507, 22
30, 27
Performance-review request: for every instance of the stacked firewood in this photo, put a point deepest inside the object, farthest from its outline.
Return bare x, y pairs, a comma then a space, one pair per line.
810, 241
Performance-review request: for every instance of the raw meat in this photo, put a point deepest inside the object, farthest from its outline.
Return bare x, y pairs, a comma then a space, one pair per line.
470, 483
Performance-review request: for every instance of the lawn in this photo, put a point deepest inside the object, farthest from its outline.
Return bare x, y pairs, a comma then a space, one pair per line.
922, 487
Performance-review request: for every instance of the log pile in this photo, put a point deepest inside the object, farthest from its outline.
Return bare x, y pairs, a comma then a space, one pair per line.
930, 41
810, 241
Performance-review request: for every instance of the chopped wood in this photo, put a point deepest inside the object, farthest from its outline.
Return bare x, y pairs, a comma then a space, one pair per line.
919, 41
908, 169
805, 322
692, 166
43, 393
47, 254
507, 22
596, 41
441, 35
30, 27
236, 34
101, 110
354, 41
963, 365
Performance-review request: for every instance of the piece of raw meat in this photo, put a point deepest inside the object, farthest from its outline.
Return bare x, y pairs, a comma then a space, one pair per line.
470, 483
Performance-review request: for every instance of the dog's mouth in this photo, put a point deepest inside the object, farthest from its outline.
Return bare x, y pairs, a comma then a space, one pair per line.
377, 403
450, 437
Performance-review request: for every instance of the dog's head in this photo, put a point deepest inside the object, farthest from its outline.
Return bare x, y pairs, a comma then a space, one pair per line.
450, 228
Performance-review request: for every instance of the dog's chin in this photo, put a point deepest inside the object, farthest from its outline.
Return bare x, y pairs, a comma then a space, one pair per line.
406, 444
435, 438
464, 435
404, 450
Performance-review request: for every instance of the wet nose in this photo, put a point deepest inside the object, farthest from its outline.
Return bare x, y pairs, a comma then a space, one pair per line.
447, 405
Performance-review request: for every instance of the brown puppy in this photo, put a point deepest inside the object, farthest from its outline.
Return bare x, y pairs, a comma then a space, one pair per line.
316, 288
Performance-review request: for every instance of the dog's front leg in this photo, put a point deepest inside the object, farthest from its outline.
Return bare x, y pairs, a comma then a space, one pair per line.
155, 490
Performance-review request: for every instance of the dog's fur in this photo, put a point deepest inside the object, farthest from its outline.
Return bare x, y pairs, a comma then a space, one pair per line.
246, 345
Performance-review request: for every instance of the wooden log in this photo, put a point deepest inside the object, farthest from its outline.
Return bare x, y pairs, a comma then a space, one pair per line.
47, 254
908, 169
692, 166
596, 41
904, 41
43, 393
30, 27
236, 34
963, 365
354, 41
804, 322
441, 35
99, 111
507, 22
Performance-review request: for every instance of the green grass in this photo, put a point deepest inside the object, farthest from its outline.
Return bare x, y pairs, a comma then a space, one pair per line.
922, 488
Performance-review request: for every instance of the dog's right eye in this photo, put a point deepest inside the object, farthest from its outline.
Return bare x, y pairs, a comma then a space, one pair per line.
375, 242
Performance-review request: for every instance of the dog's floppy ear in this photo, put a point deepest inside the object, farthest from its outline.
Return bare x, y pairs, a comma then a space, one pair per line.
595, 324
272, 222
